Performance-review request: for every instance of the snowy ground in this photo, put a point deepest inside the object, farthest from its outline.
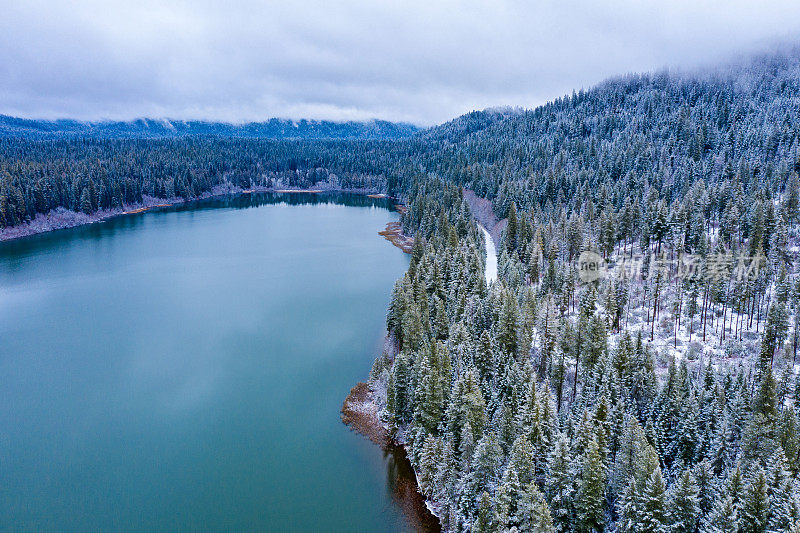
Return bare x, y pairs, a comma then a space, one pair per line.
491, 256
665, 342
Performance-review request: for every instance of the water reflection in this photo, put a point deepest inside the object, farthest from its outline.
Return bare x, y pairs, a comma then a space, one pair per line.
19, 253
402, 484
248, 200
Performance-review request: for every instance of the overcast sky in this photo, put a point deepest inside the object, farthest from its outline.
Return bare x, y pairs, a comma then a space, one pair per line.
417, 61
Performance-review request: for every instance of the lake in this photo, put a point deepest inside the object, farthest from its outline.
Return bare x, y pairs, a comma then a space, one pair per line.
184, 368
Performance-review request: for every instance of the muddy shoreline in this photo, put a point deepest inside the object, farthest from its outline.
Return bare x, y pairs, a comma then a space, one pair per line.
394, 230
360, 413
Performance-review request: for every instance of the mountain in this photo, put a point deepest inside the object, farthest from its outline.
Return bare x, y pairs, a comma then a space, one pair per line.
665, 130
168, 129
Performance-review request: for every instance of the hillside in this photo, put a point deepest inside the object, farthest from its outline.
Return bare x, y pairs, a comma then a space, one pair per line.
169, 129
656, 392
663, 129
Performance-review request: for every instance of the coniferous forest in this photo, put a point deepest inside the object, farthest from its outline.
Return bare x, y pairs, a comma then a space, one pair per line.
662, 396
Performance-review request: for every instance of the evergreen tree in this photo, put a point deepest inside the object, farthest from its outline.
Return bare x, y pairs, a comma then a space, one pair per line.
590, 498
684, 504
653, 518
724, 518
560, 486
483, 521
784, 508
755, 505
534, 511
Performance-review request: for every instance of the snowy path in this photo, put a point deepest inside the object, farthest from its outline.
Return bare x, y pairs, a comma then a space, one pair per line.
491, 256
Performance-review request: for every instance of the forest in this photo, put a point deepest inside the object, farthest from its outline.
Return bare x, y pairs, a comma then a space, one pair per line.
660, 396
159, 129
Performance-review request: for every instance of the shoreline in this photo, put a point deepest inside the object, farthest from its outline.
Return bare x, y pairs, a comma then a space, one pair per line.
361, 414
61, 218
394, 234
394, 230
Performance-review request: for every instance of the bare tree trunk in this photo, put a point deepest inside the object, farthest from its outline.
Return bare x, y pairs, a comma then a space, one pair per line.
678, 318
575, 382
704, 318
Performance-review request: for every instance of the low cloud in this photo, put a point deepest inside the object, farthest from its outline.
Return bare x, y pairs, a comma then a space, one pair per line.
417, 61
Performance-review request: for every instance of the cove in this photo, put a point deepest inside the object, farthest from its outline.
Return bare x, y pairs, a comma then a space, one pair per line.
183, 369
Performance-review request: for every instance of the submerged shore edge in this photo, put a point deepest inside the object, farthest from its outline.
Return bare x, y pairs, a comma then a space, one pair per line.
361, 413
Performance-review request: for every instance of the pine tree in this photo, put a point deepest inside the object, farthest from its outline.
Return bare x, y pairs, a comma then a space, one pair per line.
791, 202
394, 316
784, 507
755, 505
509, 323
534, 512
485, 356
760, 438
654, 509
789, 437
590, 499
706, 488
684, 504
429, 397
446, 476
511, 228
441, 326
560, 486
429, 465
483, 521
536, 258
466, 448
521, 459
724, 518
507, 500
627, 504
86, 201
466, 408
629, 457
399, 397
413, 334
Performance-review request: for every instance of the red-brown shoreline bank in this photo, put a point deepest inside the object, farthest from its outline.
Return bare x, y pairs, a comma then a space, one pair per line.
360, 413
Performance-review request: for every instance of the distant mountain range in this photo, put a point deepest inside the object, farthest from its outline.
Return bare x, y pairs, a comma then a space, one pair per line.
166, 129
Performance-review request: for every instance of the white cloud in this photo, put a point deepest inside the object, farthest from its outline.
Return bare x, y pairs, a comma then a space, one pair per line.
419, 61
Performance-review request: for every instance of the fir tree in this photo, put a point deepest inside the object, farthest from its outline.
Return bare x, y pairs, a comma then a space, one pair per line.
560, 486
784, 508
653, 518
755, 505
724, 518
590, 498
483, 521
534, 512
684, 504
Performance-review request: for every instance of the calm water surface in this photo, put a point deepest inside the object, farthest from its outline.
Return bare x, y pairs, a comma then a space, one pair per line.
183, 369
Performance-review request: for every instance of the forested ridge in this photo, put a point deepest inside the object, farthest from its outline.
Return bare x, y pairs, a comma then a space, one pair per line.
659, 396
89, 174
165, 129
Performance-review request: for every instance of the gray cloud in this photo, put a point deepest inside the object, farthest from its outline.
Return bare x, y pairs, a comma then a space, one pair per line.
417, 61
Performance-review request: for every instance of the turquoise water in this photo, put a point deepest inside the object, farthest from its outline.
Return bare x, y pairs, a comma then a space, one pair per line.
184, 369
